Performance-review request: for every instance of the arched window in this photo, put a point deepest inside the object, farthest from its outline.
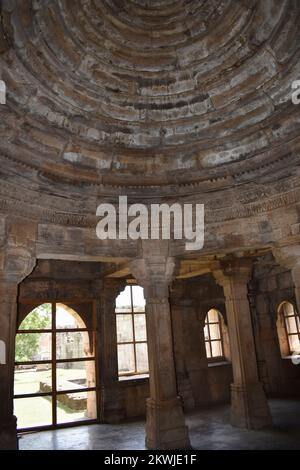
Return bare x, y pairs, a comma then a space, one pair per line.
2, 92
288, 327
131, 333
55, 367
214, 343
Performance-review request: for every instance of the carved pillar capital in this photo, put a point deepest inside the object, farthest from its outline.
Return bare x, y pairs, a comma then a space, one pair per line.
17, 248
239, 269
16, 263
155, 274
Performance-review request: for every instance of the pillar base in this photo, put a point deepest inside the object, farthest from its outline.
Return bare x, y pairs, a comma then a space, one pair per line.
165, 428
249, 407
8, 435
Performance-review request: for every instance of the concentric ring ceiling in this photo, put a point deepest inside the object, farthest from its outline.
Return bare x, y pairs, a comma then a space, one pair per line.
142, 92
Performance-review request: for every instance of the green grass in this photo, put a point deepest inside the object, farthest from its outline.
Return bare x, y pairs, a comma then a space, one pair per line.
37, 411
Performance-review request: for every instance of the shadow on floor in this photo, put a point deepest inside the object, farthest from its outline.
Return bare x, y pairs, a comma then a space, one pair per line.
209, 430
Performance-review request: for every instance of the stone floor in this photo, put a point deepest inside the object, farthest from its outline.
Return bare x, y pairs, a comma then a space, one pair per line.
209, 429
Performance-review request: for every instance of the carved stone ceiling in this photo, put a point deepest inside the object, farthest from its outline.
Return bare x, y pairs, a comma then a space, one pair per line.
148, 94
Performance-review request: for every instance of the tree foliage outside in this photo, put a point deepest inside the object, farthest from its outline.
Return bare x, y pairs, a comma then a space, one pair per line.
27, 344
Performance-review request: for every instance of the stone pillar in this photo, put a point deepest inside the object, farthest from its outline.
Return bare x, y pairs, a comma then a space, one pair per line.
15, 265
249, 406
111, 404
8, 316
189, 348
165, 427
257, 331
289, 256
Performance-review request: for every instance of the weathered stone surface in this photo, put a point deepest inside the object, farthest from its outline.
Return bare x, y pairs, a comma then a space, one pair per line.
165, 427
164, 102
249, 407
156, 98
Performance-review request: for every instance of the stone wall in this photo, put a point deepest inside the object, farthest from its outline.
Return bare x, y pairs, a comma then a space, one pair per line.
135, 393
199, 382
271, 286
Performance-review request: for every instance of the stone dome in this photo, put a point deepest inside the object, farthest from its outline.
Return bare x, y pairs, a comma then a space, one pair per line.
142, 93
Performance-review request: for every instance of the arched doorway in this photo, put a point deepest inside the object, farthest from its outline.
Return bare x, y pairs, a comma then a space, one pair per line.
55, 378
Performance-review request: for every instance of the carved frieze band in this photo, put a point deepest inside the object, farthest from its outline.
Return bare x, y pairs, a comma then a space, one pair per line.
43, 215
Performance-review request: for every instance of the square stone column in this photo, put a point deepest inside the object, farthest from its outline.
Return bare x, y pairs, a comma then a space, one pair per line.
165, 427
249, 406
15, 265
110, 397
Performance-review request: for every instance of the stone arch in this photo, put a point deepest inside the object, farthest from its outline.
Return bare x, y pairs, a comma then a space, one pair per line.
83, 352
